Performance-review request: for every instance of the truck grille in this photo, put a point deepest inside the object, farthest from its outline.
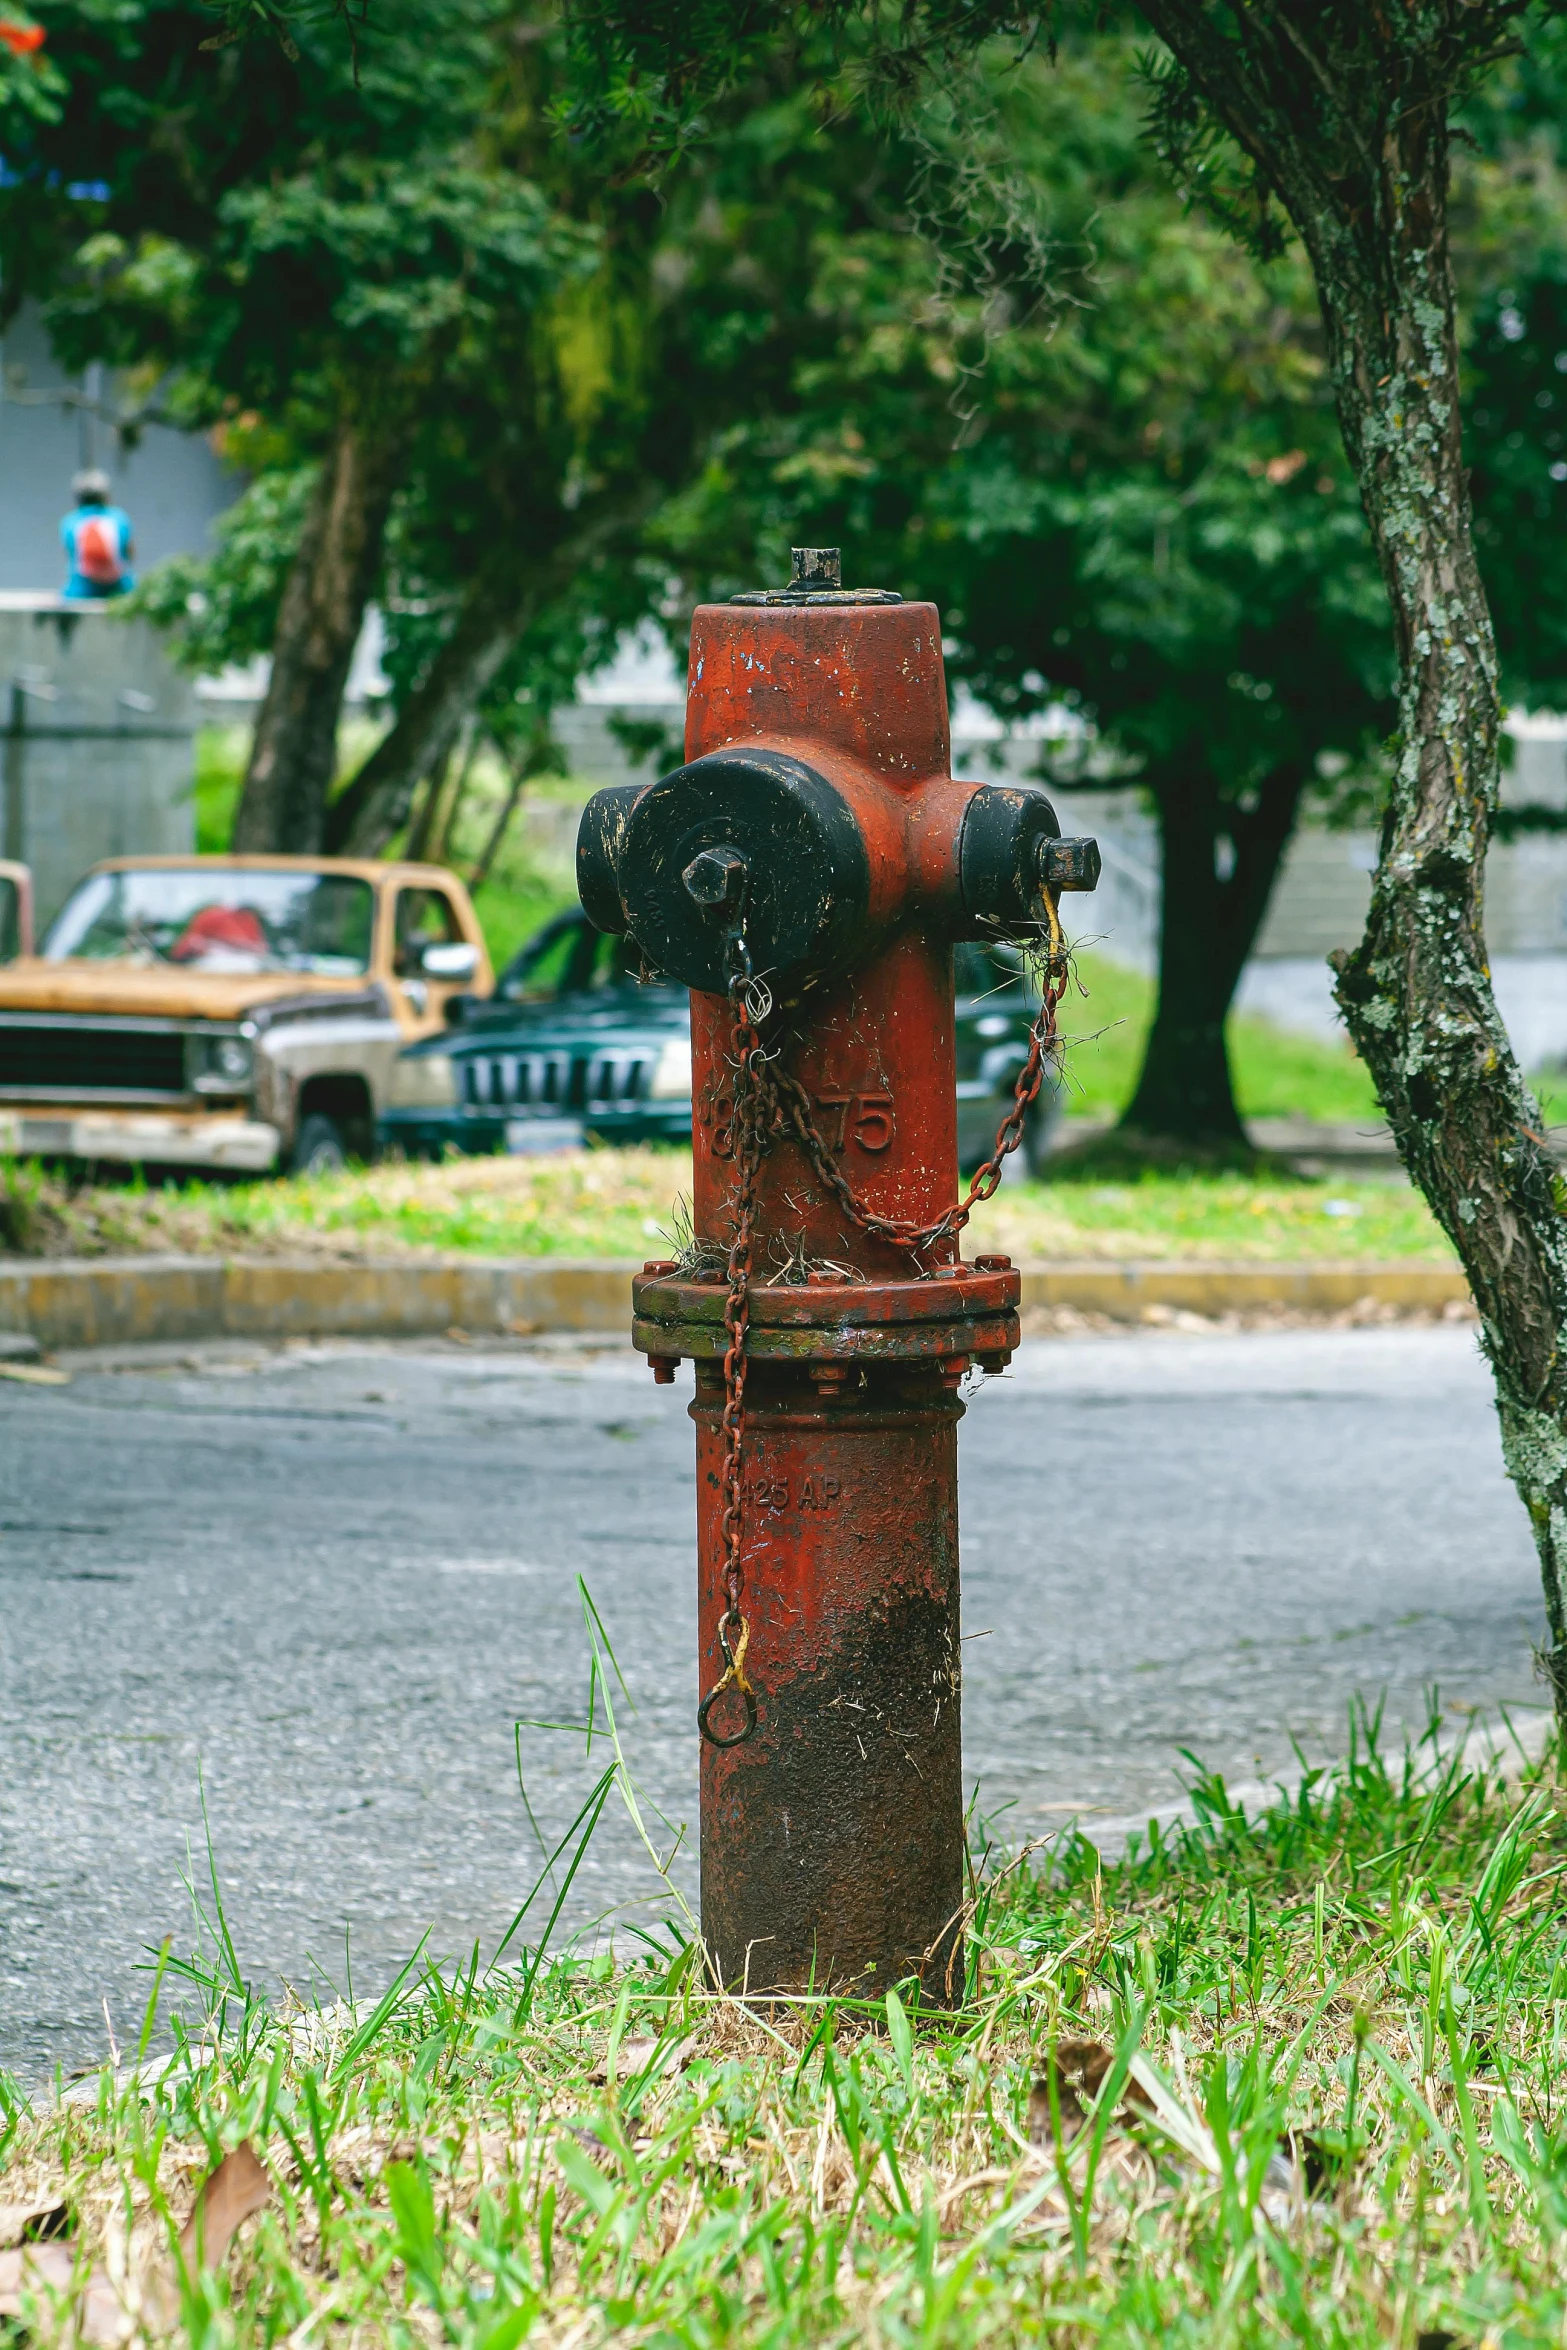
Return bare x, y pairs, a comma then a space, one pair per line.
553, 1081
70, 1058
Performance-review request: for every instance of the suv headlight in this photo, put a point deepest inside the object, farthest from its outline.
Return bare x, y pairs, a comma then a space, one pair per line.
427, 1081
220, 1064
672, 1072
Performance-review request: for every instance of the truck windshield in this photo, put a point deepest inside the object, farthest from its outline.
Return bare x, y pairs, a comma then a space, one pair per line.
210, 920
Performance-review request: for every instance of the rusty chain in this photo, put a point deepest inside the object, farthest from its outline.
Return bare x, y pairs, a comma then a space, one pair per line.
749, 1005
920, 1239
767, 1103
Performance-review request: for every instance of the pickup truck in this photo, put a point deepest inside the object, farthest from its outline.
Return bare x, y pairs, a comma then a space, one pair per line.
232, 1014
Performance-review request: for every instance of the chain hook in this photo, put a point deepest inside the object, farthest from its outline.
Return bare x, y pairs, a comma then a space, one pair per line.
733, 1677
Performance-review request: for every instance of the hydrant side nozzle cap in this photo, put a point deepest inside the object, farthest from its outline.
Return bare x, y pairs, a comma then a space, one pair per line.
761, 820
1007, 831
599, 838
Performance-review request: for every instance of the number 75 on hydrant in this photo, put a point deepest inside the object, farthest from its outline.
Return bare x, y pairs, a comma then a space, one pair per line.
806, 874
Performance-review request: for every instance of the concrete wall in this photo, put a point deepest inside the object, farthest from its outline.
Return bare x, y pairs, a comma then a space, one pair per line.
171, 484
97, 741
1320, 900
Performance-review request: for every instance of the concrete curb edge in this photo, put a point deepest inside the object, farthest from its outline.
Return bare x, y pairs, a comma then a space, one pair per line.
120, 1301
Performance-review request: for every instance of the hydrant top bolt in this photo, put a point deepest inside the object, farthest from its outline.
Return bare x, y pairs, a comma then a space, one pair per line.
815, 567
716, 878
981, 1265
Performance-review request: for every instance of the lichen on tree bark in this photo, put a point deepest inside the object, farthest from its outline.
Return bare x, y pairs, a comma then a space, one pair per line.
1343, 112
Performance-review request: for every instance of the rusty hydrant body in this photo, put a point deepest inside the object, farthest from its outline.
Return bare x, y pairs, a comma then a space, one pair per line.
818, 771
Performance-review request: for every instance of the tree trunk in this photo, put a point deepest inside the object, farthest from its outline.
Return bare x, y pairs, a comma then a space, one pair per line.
517, 784
1207, 923
421, 822
293, 758
490, 621
375, 807
456, 799
1347, 117
1417, 990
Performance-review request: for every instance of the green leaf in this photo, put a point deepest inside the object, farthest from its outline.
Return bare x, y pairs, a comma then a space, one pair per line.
902, 2038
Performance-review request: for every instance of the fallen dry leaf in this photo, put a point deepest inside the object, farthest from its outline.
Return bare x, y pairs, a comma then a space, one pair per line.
34, 2268
226, 2197
31, 2222
634, 2056
1079, 2068
50, 2268
238, 2187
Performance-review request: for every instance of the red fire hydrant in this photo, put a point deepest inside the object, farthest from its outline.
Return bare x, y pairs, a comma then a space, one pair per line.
806, 874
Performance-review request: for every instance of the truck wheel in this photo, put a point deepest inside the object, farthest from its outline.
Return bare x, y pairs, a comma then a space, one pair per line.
318, 1148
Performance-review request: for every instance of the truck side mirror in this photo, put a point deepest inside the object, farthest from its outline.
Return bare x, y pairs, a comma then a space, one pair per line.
452, 959
16, 911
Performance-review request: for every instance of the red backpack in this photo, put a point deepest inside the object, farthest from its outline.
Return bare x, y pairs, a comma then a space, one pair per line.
98, 550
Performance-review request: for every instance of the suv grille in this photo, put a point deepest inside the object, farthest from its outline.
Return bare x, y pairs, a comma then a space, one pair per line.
553, 1081
69, 1059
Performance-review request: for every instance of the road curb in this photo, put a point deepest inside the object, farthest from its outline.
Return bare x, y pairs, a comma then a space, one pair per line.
1126, 1291
120, 1301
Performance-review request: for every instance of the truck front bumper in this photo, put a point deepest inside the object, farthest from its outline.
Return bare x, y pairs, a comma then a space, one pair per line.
228, 1143
430, 1133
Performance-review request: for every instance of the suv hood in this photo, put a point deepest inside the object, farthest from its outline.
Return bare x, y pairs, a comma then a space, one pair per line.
156, 991
570, 1021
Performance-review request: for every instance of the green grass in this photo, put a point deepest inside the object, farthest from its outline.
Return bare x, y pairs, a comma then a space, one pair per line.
621, 1203
221, 752
1336, 2036
1277, 1074
1192, 1214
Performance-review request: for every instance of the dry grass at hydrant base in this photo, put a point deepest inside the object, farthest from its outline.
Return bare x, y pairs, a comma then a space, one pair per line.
1295, 2076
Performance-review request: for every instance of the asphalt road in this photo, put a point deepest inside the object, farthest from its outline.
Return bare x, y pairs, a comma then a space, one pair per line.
323, 1585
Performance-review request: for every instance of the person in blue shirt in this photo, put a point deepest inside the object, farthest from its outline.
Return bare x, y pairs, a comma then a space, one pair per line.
98, 542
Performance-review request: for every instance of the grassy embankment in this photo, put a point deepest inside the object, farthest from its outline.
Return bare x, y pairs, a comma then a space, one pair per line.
621, 1204
1331, 2046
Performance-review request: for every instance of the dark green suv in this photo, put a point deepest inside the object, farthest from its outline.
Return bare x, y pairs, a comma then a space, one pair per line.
572, 1046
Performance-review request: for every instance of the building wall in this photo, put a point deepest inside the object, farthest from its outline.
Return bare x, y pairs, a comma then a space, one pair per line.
97, 742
